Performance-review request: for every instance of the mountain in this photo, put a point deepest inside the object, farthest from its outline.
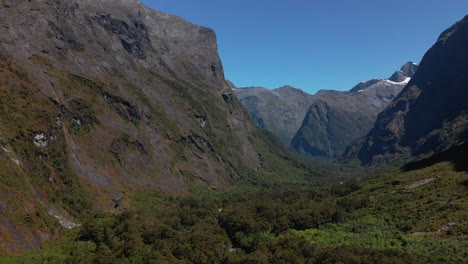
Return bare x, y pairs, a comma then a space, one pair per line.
430, 114
407, 70
336, 118
279, 110
102, 100
282, 110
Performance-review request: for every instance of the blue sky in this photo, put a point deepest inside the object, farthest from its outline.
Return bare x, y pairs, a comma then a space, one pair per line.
317, 44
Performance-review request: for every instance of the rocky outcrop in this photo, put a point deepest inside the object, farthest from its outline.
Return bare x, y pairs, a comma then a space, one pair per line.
430, 114
335, 119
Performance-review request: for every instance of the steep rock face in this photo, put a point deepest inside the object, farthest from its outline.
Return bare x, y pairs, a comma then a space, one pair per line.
279, 110
100, 99
136, 80
430, 114
335, 119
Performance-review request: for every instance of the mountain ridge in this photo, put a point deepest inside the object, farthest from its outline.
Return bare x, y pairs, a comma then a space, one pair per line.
429, 114
284, 110
337, 118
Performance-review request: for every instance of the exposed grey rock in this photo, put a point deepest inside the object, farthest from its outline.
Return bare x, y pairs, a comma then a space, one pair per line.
40, 139
442, 229
64, 221
201, 120
419, 183
5, 149
77, 120
58, 120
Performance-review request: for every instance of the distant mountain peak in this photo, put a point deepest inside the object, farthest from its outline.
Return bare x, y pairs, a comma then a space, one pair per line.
409, 68
287, 90
287, 87
406, 71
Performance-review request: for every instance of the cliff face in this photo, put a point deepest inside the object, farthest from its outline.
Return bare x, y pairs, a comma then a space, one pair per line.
335, 118
103, 98
430, 114
280, 110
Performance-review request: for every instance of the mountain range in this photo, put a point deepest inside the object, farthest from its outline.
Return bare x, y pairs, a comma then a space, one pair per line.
320, 126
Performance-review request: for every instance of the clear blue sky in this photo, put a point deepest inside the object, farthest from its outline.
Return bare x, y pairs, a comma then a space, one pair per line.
317, 44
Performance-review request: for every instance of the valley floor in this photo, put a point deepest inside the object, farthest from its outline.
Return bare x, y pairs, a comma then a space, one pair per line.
414, 214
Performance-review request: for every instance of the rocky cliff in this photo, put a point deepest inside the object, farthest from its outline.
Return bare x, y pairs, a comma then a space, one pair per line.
336, 118
430, 114
104, 98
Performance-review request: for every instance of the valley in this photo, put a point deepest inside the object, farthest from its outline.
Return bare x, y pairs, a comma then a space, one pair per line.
121, 141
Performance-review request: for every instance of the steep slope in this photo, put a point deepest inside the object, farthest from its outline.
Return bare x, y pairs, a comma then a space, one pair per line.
335, 119
430, 114
102, 99
279, 110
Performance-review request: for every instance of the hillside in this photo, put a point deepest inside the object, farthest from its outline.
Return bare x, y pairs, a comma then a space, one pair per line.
429, 115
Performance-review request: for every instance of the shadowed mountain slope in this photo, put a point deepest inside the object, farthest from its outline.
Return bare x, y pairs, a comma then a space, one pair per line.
430, 114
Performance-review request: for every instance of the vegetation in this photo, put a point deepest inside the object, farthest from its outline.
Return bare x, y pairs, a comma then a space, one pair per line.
383, 219
30, 173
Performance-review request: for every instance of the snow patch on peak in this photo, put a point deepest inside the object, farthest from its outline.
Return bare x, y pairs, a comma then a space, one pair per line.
405, 81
